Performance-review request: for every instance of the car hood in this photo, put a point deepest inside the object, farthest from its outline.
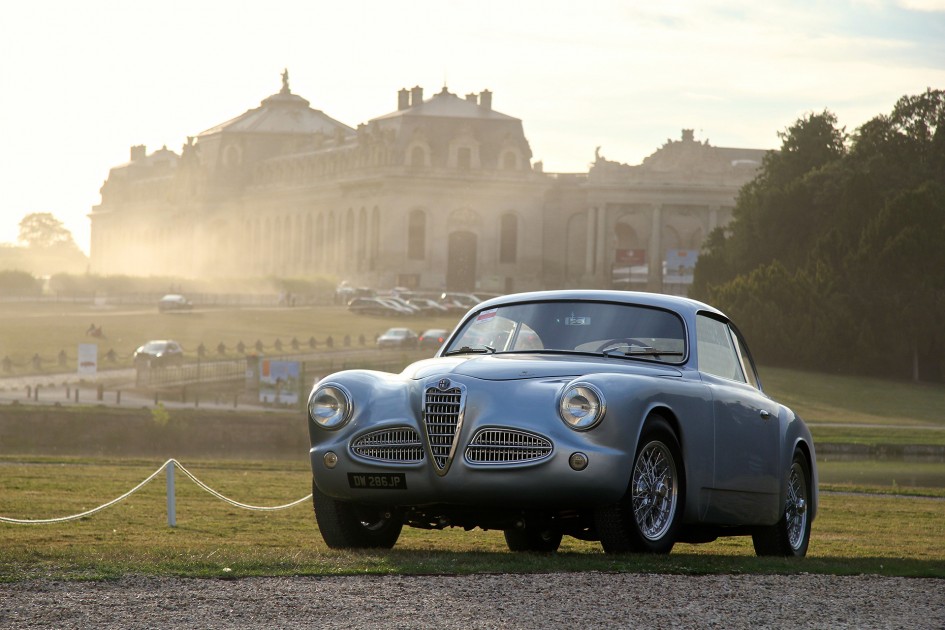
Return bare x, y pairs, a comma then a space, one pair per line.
507, 367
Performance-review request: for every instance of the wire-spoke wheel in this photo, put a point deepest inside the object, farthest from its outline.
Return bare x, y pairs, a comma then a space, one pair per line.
790, 536
647, 518
654, 490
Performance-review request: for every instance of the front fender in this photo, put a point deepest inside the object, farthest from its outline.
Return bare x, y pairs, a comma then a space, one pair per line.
685, 404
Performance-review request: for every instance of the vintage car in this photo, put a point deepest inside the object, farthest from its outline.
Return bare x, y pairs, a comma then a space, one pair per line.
158, 352
174, 302
630, 418
397, 338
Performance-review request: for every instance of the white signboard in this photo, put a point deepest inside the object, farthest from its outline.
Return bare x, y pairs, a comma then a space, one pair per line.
88, 359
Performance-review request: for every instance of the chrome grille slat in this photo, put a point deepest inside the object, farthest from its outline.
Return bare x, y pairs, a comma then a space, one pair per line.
442, 417
501, 446
397, 445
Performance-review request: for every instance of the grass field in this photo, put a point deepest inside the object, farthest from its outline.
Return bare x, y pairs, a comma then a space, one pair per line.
830, 398
854, 533
45, 329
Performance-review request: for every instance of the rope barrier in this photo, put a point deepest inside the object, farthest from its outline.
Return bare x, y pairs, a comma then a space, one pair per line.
164, 466
237, 503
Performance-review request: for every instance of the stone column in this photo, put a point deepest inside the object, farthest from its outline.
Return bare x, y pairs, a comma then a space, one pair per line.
655, 251
589, 249
713, 218
602, 269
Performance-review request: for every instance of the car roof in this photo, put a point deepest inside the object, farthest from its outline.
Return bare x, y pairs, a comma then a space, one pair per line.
682, 305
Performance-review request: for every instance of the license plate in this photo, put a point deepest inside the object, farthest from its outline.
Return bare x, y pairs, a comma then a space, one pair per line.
378, 481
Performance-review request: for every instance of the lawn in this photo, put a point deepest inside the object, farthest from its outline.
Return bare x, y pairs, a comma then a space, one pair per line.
831, 398
854, 532
46, 329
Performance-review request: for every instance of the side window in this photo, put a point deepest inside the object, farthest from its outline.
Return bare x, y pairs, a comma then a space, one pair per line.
717, 354
747, 366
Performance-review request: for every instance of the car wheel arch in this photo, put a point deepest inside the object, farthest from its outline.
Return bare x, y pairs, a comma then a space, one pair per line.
801, 446
662, 411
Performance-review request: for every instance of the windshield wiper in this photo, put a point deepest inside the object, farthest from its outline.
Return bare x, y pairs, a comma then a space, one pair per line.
468, 350
640, 351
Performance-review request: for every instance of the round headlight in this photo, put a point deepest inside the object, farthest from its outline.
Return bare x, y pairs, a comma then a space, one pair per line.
581, 406
329, 407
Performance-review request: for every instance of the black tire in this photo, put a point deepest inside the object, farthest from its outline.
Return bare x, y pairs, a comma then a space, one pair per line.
536, 539
354, 526
790, 536
648, 517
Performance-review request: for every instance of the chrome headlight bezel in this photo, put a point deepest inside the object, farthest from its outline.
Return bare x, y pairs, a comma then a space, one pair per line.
581, 406
329, 406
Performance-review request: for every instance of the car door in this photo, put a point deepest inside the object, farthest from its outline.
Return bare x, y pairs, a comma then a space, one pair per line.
746, 483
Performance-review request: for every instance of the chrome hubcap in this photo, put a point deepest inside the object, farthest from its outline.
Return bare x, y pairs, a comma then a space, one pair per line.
795, 512
654, 490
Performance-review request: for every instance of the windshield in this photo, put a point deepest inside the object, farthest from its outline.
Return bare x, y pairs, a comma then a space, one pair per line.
602, 328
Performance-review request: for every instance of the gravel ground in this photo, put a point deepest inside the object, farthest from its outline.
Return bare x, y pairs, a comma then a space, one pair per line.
480, 601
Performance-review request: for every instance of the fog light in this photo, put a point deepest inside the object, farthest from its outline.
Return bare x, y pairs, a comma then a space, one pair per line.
578, 461
330, 460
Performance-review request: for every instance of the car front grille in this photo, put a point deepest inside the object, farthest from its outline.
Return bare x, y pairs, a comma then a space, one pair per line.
501, 446
397, 445
442, 418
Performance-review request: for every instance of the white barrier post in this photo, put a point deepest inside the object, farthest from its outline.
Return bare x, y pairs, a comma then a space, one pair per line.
171, 506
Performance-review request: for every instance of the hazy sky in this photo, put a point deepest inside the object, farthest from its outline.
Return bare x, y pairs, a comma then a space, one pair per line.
80, 82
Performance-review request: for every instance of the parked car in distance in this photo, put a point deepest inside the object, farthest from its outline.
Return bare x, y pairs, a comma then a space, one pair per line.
426, 306
634, 419
159, 352
400, 303
397, 338
433, 338
174, 302
458, 302
374, 306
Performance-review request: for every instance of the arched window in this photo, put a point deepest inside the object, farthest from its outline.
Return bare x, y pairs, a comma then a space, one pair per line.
417, 235
464, 158
508, 238
232, 156
418, 156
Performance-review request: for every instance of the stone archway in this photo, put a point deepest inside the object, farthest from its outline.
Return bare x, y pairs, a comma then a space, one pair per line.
461, 261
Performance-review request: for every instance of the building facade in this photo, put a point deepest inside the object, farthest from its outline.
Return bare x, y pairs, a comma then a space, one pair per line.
439, 194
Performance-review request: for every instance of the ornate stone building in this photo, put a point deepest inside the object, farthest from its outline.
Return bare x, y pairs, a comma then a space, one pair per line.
440, 193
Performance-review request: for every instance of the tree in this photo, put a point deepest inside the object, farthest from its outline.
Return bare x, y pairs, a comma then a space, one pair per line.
780, 214
41, 230
21, 283
834, 256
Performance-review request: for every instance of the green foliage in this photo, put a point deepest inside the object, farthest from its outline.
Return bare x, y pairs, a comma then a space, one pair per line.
835, 257
160, 415
19, 283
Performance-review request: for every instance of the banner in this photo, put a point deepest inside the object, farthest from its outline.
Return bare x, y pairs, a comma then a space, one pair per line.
279, 382
680, 265
630, 266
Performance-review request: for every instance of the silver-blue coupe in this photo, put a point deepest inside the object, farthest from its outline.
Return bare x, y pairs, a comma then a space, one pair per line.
633, 419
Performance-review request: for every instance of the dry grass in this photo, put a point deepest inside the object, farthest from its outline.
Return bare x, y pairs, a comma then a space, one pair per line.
854, 533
